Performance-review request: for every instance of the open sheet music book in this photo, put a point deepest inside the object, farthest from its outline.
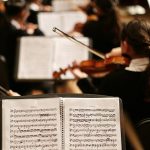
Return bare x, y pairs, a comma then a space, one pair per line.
64, 21
39, 57
57, 122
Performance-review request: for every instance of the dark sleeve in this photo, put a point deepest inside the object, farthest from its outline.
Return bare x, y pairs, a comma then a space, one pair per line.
38, 32
89, 28
114, 84
86, 85
33, 17
3, 73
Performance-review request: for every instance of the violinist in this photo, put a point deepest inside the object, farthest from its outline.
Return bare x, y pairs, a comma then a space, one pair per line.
103, 29
130, 83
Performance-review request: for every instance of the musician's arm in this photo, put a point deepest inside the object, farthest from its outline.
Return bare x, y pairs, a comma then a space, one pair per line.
114, 52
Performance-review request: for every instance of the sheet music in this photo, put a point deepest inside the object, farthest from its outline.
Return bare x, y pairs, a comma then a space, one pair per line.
67, 51
92, 124
64, 21
71, 18
35, 58
39, 57
31, 124
48, 20
61, 123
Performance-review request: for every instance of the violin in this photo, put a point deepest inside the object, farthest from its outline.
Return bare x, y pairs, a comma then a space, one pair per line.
92, 67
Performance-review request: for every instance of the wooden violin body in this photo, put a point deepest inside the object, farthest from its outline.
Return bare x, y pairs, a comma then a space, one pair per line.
92, 66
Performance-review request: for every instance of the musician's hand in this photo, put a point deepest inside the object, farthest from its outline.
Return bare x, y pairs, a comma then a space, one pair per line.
30, 27
78, 27
114, 52
12, 93
78, 74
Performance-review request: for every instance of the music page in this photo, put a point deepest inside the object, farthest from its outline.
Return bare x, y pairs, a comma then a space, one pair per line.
92, 124
35, 58
65, 21
48, 20
31, 124
70, 19
67, 52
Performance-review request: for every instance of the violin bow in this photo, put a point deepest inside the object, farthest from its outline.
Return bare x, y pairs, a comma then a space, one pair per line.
61, 33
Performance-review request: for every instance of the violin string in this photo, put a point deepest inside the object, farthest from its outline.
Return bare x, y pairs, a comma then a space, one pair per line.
61, 33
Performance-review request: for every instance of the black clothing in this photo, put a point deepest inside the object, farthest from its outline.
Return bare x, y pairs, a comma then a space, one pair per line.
4, 33
4, 46
9, 35
103, 33
128, 85
33, 17
47, 2
3, 73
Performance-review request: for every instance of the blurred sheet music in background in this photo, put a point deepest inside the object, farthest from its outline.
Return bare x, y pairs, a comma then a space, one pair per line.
64, 21
38, 57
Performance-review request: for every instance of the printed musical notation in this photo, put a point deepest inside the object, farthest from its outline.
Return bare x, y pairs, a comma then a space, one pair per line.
61, 124
91, 127
91, 136
35, 127
33, 136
